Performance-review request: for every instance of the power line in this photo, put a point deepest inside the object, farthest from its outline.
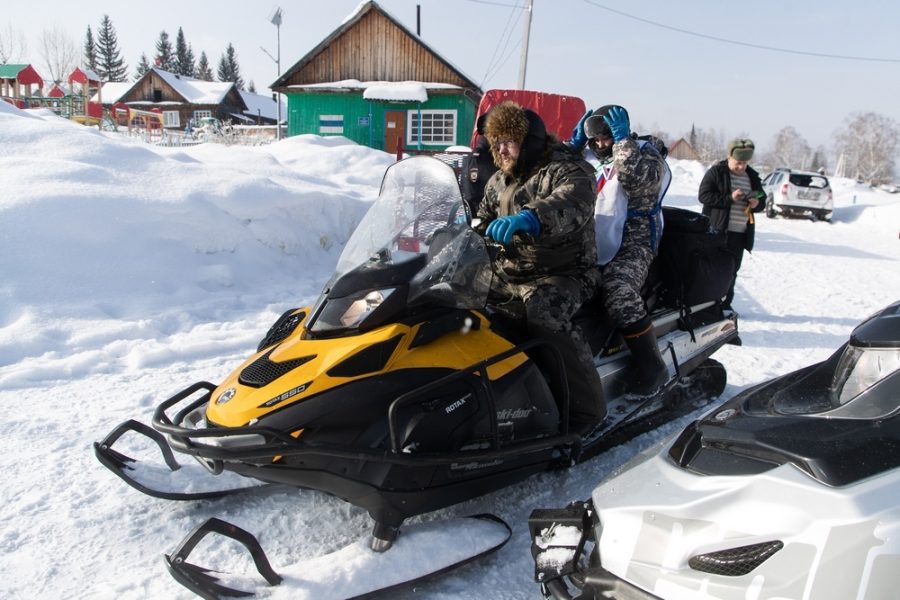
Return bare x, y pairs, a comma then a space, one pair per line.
736, 43
504, 40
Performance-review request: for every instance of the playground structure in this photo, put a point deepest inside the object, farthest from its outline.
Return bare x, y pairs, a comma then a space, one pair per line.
21, 86
147, 124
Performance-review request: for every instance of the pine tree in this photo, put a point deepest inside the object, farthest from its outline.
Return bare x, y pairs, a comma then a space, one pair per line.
184, 56
251, 87
143, 67
229, 69
203, 70
164, 58
110, 65
90, 50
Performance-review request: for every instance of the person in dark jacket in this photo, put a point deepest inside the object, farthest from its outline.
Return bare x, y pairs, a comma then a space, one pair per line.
477, 168
540, 206
731, 192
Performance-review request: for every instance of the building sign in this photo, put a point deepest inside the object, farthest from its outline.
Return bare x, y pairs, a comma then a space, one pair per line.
363, 121
331, 124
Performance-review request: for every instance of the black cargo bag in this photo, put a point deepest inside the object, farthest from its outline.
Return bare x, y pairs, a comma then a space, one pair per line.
694, 263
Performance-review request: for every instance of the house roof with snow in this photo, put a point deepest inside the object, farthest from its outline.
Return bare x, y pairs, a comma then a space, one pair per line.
388, 91
112, 91
371, 45
195, 91
177, 93
262, 106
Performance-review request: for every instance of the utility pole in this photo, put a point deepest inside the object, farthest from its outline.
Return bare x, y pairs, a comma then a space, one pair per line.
523, 61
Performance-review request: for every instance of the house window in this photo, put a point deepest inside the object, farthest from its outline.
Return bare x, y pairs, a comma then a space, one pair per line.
438, 127
157, 95
171, 118
199, 114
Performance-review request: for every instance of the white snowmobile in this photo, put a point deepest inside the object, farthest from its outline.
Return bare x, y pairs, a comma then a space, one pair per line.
791, 489
400, 391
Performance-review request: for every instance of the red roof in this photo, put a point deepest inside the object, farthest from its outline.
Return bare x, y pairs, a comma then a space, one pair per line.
23, 74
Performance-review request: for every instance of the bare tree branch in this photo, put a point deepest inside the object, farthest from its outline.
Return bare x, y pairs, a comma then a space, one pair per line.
60, 53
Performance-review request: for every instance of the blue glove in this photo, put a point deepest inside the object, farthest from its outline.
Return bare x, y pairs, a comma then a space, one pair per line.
579, 139
617, 119
503, 228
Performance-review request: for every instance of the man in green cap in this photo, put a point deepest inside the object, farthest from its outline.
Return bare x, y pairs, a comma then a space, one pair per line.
730, 192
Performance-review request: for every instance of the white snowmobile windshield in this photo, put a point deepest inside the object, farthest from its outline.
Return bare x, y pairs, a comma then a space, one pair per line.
420, 211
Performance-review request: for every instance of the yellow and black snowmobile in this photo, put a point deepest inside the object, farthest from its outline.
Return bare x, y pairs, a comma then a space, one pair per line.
400, 390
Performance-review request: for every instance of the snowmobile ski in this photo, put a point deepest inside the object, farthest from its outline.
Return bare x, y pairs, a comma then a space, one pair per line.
355, 571
169, 481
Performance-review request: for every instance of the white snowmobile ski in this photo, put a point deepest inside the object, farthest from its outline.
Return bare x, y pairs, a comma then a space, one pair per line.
169, 480
353, 572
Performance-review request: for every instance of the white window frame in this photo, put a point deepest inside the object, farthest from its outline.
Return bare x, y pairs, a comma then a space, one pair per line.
429, 138
199, 114
171, 118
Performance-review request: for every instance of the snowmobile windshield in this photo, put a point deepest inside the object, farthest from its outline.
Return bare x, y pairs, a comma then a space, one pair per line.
418, 196
414, 246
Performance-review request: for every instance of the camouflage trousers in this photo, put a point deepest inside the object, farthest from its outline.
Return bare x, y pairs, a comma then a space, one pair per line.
623, 278
548, 305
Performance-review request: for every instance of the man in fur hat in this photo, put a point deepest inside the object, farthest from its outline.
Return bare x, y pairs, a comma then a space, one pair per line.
540, 206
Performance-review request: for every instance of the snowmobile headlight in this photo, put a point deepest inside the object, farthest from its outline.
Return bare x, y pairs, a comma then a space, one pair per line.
359, 309
226, 396
861, 368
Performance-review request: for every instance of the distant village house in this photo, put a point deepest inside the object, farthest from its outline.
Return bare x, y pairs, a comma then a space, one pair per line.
376, 83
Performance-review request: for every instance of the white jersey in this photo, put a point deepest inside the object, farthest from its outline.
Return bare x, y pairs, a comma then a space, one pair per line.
611, 208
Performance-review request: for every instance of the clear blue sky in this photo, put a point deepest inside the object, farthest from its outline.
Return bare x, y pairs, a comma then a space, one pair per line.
604, 51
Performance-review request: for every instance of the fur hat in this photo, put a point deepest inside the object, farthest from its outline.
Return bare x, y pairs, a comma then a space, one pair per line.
741, 149
509, 121
506, 121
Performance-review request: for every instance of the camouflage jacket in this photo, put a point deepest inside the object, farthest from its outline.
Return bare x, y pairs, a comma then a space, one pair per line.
640, 171
561, 195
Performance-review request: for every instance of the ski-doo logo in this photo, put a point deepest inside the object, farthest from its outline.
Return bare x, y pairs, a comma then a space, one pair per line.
512, 414
286, 395
449, 409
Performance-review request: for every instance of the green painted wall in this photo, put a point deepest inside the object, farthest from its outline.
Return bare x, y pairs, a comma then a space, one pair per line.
364, 121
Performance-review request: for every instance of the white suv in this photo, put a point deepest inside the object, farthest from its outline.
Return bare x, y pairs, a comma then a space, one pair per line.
798, 193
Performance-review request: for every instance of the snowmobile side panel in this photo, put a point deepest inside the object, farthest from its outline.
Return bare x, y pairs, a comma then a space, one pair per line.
354, 572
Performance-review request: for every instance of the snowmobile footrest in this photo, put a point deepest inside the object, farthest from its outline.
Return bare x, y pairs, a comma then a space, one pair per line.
198, 579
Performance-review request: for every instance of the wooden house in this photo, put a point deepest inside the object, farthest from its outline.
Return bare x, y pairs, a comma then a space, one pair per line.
19, 84
180, 98
376, 83
683, 149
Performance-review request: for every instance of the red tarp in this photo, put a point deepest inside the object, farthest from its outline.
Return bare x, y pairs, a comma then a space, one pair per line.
560, 113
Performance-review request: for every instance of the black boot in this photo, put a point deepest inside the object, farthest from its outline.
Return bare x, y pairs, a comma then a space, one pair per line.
650, 370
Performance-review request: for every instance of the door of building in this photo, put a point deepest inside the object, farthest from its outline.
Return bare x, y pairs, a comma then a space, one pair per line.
394, 130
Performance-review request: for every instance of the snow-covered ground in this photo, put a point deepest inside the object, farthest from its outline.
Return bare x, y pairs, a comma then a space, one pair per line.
131, 271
